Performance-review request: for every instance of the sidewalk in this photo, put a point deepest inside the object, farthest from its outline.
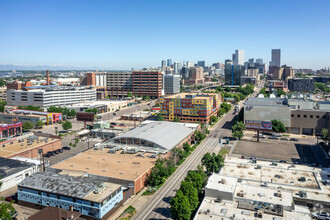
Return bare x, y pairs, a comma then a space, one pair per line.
137, 201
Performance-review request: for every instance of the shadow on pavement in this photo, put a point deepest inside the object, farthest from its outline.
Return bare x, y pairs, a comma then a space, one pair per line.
167, 199
166, 212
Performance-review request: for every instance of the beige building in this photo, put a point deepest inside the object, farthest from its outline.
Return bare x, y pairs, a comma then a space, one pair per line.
196, 76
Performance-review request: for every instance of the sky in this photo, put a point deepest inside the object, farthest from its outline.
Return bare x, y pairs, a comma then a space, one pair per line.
140, 33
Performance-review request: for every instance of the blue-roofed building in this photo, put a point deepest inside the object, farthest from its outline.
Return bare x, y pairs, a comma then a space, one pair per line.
93, 198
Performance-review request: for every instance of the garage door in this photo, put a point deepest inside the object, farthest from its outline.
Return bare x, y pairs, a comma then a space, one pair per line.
308, 131
295, 130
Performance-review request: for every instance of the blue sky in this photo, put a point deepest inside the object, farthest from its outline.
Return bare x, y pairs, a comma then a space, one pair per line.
125, 34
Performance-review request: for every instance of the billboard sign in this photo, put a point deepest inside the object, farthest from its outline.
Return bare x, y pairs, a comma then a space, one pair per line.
85, 116
258, 125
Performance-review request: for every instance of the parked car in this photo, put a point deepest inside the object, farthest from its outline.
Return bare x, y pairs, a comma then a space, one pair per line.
66, 148
284, 139
273, 137
260, 136
122, 124
60, 150
293, 139
321, 215
283, 161
51, 153
113, 123
276, 135
46, 155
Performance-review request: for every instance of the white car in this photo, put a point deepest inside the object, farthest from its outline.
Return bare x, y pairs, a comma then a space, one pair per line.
321, 215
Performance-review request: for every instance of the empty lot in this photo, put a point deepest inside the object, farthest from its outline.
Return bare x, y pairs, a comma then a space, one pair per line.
274, 150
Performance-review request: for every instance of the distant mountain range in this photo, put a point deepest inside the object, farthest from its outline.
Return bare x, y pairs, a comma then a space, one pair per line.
10, 67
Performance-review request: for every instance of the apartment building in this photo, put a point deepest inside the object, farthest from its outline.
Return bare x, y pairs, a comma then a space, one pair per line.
190, 107
46, 96
147, 83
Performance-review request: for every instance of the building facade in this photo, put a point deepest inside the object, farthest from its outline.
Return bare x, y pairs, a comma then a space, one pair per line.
190, 107
147, 83
13, 118
172, 84
276, 57
92, 198
50, 96
119, 84
233, 74
301, 85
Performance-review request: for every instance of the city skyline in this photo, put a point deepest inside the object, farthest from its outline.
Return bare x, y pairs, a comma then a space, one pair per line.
125, 35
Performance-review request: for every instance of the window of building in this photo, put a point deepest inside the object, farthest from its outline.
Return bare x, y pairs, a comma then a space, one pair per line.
298, 116
323, 116
48, 195
305, 116
317, 116
311, 116
58, 197
292, 116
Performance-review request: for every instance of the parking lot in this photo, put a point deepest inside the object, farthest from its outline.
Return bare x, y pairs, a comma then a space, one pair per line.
268, 149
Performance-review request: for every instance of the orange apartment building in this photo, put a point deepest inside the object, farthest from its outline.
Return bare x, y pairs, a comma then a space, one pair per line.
190, 107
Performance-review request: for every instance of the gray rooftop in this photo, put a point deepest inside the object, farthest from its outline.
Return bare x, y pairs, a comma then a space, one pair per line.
266, 101
163, 133
9, 167
75, 187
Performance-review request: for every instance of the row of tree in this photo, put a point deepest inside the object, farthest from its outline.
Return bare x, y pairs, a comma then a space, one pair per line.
187, 198
66, 125
63, 110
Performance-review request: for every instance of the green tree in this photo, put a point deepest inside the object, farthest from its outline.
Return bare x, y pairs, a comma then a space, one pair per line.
27, 125
325, 135
213, 119
2, 106
157, 105
31, 108
191, 192
39, 123
6, 210
180, 206
2, 82
226, 106
278, 126
67, 125
212, 162
238, 126
146, 98
92, 110
280, 92
160, 117
176, 119
221, 111
237, 134
186, 147
196, 179
129, 94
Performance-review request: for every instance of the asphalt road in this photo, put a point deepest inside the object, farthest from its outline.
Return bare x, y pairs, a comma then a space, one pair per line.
158, 207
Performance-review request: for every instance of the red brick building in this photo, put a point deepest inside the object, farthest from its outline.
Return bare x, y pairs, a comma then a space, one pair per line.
147, 83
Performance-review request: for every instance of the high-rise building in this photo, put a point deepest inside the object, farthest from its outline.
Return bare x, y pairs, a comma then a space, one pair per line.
259, 61
276, 58
190, 64
238, 59
233, 74
301, 85
172, 84
228, 61
201, 63
185, 72
177, 67
163, 65
169, 62
251, 62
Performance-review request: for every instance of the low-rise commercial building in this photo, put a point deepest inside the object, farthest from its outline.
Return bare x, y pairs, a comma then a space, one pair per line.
51, 117
9, 130
246, 189
190, 107
299, 116
93, 198
28, 147
14, 118
46, 96
54, 213
12, 172
128, 158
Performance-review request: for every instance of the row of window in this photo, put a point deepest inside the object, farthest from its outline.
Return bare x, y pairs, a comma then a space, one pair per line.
310, 116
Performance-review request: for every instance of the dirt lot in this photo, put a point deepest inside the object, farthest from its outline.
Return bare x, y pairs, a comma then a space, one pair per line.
267, 150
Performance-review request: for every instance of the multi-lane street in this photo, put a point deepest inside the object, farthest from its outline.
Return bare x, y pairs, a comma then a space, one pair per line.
158, 207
